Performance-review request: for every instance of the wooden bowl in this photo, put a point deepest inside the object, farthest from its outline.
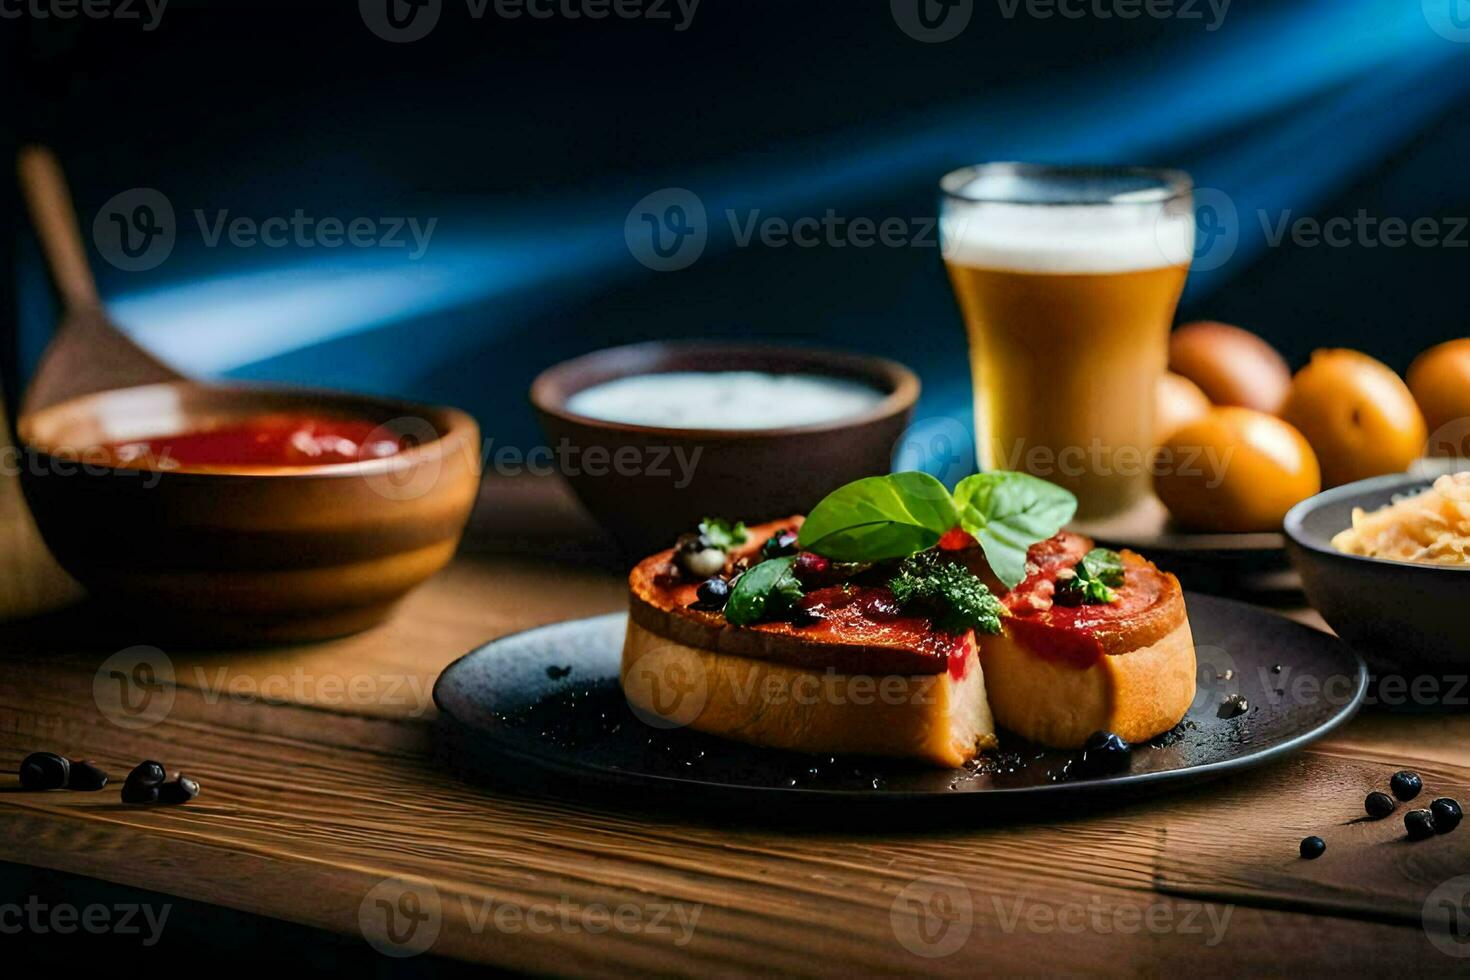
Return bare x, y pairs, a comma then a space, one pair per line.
250, 554
676, 476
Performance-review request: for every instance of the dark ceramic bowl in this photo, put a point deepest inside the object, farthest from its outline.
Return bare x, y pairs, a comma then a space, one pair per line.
670, 478
1404, 618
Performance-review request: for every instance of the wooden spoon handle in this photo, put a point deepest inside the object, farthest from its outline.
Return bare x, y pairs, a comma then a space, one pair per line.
46, 194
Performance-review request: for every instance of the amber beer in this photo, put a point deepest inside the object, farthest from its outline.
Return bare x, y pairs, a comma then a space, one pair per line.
1068, 279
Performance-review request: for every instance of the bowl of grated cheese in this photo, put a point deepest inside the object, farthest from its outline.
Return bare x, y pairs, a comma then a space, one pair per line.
1387, 563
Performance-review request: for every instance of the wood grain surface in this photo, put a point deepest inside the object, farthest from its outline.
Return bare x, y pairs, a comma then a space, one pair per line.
326, 803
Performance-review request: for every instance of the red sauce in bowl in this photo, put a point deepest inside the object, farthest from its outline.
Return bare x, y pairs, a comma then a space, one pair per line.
263, 440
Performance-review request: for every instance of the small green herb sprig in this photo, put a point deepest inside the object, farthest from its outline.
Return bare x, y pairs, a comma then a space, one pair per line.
1093, 581
720, 533
948, 592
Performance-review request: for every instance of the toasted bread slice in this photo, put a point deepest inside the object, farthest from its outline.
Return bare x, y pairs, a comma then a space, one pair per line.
1056, 674
941, 718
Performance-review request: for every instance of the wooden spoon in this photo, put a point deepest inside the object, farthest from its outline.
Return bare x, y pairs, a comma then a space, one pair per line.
88, 353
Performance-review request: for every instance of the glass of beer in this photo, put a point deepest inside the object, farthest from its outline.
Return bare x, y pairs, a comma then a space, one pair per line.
1067, 278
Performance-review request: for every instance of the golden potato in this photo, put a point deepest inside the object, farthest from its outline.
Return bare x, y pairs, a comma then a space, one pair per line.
1179, 402
1358, 415
1440, 381
1231, 366
1236, 469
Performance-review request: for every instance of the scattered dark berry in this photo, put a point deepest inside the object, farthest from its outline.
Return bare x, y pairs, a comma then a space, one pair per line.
44, 770
138, 793
180, 789
809, 567
712, 593
86, 776
1447, 814
779, 545
1405, 784
1313, 847
1105, 752
1379, 805
1419, 824
148, 773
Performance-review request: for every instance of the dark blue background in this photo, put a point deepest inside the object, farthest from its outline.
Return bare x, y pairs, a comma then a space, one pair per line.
530, 140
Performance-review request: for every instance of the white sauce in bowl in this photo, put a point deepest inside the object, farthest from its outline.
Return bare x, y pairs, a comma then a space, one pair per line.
724, 400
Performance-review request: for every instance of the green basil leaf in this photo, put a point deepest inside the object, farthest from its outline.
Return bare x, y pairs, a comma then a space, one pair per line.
880, 517
1008, 513
721, 533
762, 591
1104, 565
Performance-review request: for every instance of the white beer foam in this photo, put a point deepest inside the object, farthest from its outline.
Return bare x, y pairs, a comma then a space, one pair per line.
1121, 237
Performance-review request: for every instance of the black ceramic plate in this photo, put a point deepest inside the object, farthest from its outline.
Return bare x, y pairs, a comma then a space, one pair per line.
550, 697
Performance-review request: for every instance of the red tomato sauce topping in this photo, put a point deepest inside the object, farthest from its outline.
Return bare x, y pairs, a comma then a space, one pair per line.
265, 440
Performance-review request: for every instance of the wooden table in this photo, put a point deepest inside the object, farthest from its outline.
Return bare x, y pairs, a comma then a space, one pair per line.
324, 808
